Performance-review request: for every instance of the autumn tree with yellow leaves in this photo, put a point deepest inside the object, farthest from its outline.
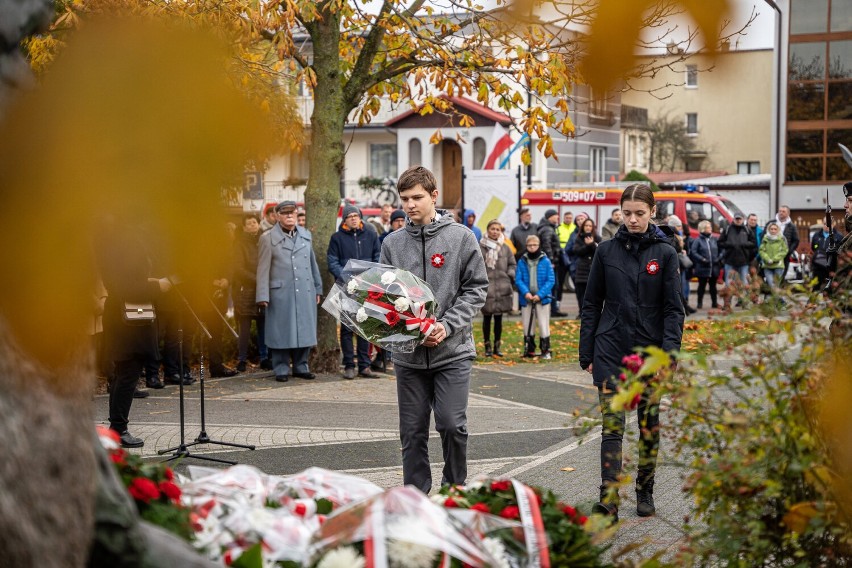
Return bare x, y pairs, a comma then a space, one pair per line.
353, 55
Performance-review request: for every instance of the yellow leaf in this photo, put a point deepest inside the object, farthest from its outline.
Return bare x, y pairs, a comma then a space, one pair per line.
799, 516
567, 469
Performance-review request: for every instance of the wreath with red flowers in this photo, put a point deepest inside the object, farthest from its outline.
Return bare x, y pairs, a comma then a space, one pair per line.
569, 534
152, 486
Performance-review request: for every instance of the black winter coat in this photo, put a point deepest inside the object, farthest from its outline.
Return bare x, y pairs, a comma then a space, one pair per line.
244, 283
738, 245
633, 299
584, 254
704, 252
345, 245
125, 266
549, 242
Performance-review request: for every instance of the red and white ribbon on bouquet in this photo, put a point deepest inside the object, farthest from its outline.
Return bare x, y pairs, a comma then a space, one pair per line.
420, 318
375, 547
536, 540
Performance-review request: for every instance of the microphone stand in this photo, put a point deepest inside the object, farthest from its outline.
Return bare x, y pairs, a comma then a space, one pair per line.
182, 449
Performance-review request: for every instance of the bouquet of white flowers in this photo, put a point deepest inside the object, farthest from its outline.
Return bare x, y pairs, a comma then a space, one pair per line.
387, 306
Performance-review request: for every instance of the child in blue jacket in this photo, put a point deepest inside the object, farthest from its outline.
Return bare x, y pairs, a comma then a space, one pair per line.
535, 280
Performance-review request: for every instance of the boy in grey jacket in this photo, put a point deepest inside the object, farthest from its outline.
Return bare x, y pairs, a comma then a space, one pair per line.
436, 376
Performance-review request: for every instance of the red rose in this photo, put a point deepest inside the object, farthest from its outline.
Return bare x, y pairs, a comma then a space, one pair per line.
392, 318
169, 474
569, 511
143, 489
118, 457
510, 512
300, 509
450, 503
481, 507
502, 485
170, 490
582, 520
632, 362
622, 377
374, 293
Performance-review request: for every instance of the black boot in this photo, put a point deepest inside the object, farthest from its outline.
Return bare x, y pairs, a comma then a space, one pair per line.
607, 506
529, 346
544, 343
645, 503
497, 352
488, 352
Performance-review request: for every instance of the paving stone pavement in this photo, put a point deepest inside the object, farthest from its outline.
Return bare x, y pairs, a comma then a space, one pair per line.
521, 421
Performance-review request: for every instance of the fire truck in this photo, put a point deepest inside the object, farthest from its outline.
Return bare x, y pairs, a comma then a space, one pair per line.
599, 202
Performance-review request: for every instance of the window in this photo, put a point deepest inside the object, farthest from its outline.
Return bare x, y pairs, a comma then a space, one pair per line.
692, 123
697, 211
415, 153
748, 167
808, 16
665, 208
692, 76
383, 160
597, 164
630, 153
841, 15
479, 148
819, 89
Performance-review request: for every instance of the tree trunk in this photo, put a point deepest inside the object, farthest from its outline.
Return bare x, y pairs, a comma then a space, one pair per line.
326, 159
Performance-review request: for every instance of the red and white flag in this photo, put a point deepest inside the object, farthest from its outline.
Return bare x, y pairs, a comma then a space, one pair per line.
499, 143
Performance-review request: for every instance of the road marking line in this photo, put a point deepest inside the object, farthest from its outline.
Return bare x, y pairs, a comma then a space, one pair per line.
553, 455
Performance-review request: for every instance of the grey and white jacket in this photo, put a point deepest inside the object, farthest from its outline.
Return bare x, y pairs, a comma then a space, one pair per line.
458, 278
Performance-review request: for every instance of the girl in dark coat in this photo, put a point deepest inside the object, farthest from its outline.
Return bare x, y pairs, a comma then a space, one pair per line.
632, 300
585, 245
500, 266
704, 252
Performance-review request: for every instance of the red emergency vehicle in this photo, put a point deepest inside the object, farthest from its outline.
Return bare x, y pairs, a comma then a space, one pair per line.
599, 202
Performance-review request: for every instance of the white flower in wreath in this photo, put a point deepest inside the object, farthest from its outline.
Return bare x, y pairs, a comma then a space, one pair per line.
405, 554
352, 286
388, 277
401, 304
497, 550
343, 557
361, 315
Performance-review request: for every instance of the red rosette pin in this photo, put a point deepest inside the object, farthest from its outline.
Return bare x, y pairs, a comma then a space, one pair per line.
652, 268
437, 260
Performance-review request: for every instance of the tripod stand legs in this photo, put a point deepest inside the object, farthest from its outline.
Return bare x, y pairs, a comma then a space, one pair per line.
182, 450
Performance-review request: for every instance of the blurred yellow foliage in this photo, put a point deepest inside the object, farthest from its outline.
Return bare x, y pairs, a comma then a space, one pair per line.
135, 122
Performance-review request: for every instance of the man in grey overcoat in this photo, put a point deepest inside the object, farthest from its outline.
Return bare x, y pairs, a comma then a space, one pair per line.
289, 286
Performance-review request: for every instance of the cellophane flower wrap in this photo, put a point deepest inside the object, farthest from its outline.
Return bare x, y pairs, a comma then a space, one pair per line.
399, 528
242, 512
389, 307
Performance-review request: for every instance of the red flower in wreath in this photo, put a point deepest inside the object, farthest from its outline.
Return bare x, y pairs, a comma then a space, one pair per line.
510, 512
652, 267
170, 490
375, 292
437, 260
143, 489
481, 507
393, 318
501, 485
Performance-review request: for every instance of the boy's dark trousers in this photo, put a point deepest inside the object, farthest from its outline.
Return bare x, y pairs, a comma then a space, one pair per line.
444, 391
